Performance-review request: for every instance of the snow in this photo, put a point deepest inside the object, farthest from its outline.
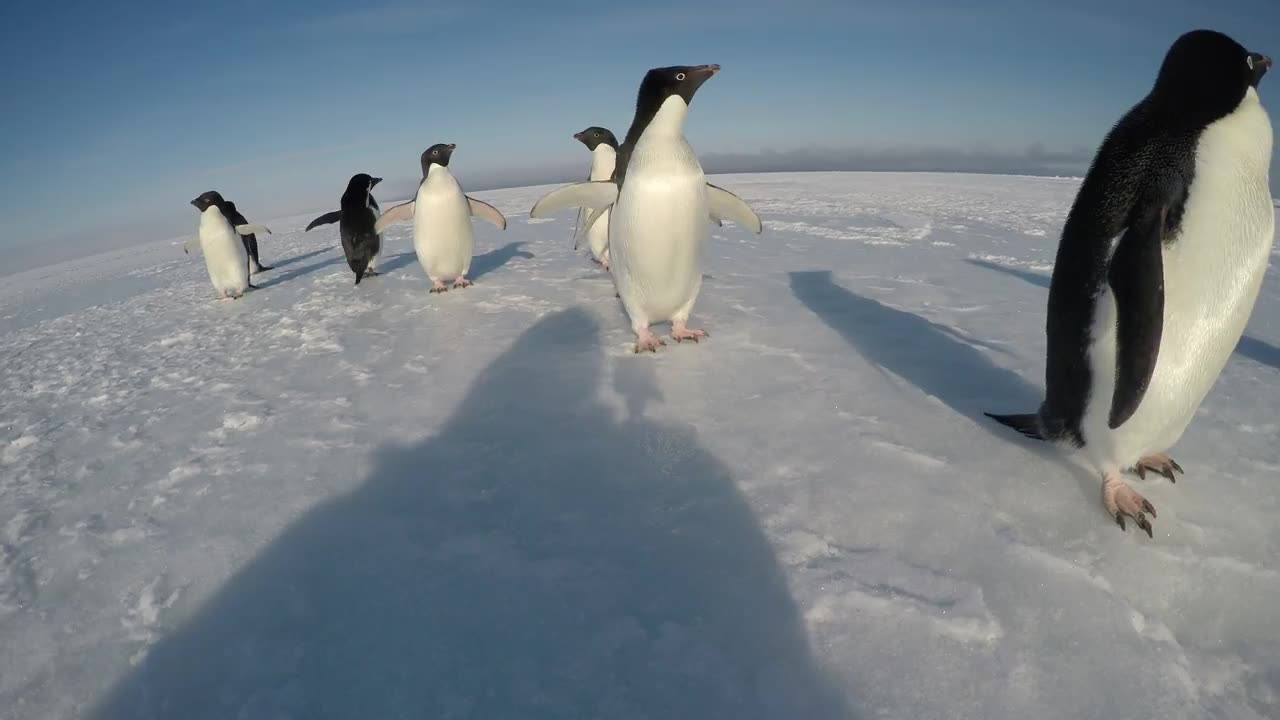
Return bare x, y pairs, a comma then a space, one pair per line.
327, 501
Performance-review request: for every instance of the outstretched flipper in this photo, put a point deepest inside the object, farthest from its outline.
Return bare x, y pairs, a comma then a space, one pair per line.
253, 229
325, 219
1136, 277
591, 195
399, 213
485, 211
726, 205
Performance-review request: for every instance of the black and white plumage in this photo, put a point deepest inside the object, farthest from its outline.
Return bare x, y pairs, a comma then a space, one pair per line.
659, 202
443, 238
219, 240
250, 240
604, 154
361, 242
1159, 266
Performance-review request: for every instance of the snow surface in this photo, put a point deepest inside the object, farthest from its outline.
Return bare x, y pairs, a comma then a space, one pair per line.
324, 501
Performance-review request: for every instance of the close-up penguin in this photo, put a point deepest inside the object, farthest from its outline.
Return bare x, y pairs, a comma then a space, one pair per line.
1158, 269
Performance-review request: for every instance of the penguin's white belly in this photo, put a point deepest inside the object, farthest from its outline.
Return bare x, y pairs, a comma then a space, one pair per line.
1212, 274
656, 234
442, 236
224, 256
373, 261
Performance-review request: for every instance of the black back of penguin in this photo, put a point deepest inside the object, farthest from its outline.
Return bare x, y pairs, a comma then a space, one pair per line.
1145, 166
658, 85
355, 204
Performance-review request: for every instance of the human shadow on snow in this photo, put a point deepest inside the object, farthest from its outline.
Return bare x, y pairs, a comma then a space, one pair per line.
1257, 350
535, 558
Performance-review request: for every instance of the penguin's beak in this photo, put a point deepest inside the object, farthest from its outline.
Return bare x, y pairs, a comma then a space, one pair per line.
1261, 64
452, 146
707, 70
577, 136
375, 182
196, 203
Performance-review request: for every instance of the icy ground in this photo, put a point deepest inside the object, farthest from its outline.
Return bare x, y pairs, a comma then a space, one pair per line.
324, 501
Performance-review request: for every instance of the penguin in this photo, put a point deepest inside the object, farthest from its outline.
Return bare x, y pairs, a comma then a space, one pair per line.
360, 242
604, 152
250, 240
658, 201
1158, 268
441, 212
218, 239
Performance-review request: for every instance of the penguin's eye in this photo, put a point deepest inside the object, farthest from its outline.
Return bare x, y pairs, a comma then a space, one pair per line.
679, 76
1248, 60
597, 134
435, 152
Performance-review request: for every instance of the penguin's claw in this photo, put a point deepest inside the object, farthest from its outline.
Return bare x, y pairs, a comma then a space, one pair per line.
648, 342
438, 287
681, 333
462, 283
1160, 464
1121, 500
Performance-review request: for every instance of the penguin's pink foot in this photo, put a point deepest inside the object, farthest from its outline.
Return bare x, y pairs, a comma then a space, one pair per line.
462, 282
438, 287
1160, 464
681, 333
647, 341
1121, 500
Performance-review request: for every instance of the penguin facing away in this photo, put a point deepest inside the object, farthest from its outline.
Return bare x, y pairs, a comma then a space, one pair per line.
250, 240
442, 236
1159, 266
604, 152
658, 201
225, 257
360, 242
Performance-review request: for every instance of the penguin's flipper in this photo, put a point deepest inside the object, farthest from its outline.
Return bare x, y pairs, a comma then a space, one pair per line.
715, 220
253, 229
325, 219
192, 245
1136, 277
485, 211
726, 205
399, 213
578, 229
592, 195
593, 217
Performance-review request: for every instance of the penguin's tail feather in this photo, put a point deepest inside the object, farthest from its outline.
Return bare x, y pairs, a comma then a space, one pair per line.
1028, 424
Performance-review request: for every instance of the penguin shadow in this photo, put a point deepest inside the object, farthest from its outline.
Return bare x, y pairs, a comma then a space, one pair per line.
535, 558
395, 262
304, 270
299, 258
934, 358
1249, 346
485, 263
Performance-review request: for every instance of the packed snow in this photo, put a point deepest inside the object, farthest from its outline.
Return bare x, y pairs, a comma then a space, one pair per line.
327, 501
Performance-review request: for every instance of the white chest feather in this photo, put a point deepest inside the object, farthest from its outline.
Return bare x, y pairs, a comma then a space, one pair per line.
224, 255
659, 223
1212, 275
442, 234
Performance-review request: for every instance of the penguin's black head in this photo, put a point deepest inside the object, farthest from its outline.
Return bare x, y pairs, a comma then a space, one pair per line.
595, 136
208, 200
1206, 74
362, 182
683, 80
437, 154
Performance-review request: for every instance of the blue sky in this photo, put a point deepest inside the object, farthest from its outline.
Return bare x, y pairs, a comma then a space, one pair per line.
116, 115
